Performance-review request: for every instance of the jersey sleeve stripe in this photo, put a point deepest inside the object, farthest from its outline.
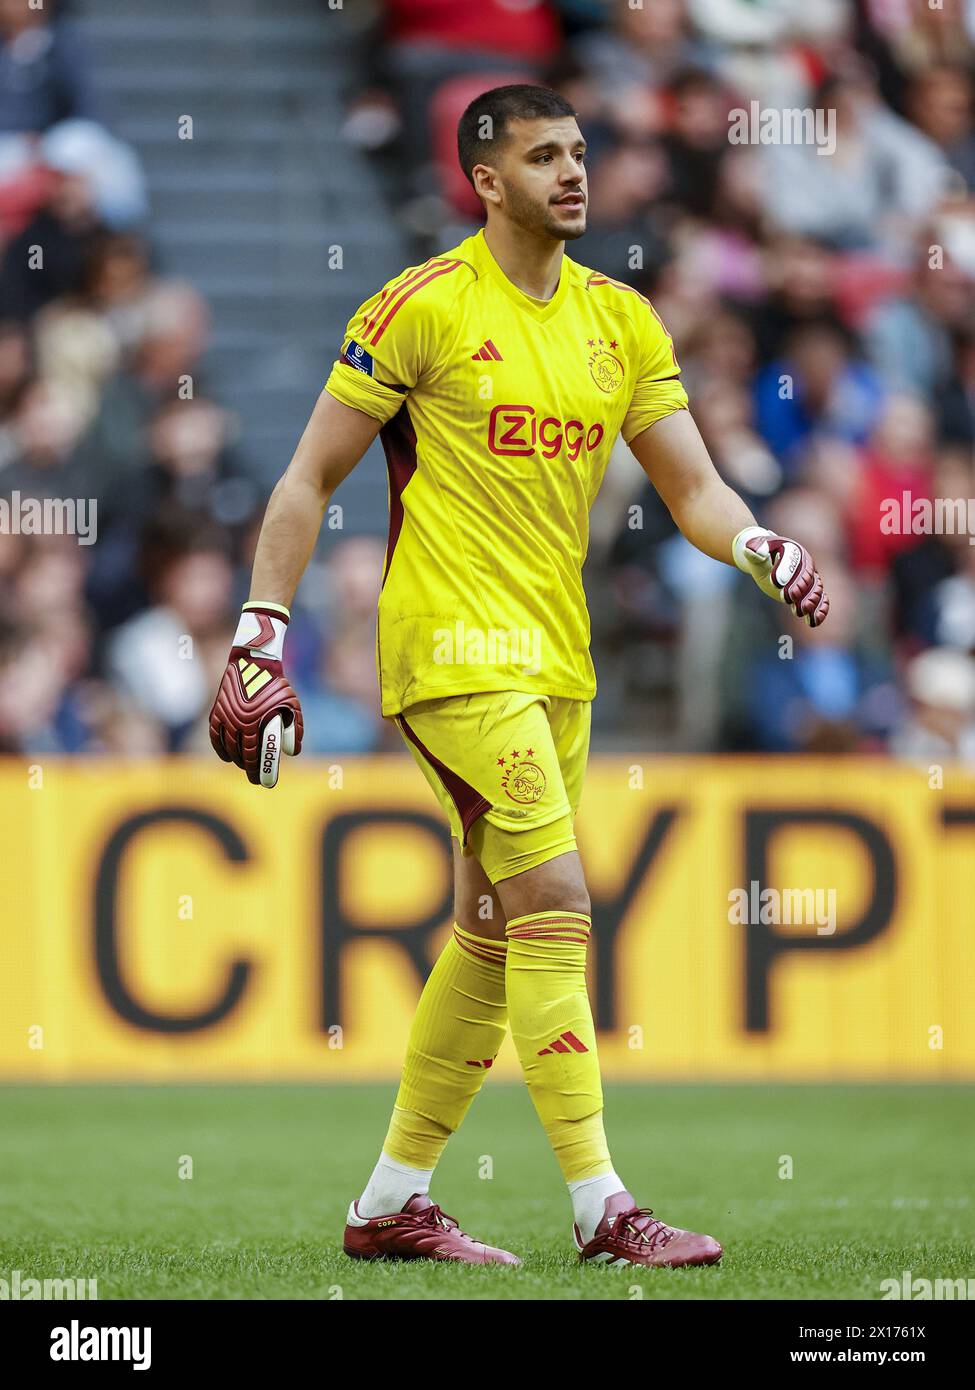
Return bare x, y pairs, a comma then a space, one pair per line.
399, 284
445, 269
369, 319
390, 293
618, 284
597, 279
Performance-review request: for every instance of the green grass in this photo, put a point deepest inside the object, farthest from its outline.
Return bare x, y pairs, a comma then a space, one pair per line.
882, 1183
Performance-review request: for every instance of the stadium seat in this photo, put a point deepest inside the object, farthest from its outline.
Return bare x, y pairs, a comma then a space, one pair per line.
447, 105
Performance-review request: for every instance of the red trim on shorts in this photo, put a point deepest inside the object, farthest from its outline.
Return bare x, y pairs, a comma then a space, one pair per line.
468, 800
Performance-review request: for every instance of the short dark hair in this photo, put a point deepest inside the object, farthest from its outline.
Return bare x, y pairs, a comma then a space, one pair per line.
521, 101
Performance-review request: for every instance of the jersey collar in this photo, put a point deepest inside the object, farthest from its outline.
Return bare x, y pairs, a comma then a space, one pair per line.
539, 310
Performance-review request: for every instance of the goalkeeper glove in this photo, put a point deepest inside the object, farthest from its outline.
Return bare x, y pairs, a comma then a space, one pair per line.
784, 570
256, 715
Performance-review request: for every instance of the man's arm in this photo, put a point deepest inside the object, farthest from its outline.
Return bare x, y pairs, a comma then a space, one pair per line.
708, 512
256, 716
335, 439
714, 518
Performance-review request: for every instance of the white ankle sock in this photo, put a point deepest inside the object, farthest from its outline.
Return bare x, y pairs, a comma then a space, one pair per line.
589, 1198
391, 1186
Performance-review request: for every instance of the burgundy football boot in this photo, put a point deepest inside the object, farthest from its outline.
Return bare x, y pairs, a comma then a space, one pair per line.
421, 1231
631, 1235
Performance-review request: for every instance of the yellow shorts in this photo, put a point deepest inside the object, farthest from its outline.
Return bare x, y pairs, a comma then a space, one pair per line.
508, 771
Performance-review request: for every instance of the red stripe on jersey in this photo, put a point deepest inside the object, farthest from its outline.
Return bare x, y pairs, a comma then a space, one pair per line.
618, 284
406, 294
492, 350
405, 280
371, 318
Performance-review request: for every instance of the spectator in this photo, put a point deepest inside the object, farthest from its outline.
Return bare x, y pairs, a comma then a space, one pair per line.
644, 49
919, 572
697, 144
48, 257
909, 338
940, 723
109, 165
44, 76
167, 659
941, 103
818, 386
897, 460
956, 399
800, 285
819, 697
15, 374
876, 189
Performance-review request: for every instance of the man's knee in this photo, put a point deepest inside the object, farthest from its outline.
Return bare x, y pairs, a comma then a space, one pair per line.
487, 920
477, 907
558, 885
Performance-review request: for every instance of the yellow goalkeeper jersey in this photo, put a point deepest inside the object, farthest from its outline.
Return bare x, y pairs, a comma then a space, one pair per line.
499, 412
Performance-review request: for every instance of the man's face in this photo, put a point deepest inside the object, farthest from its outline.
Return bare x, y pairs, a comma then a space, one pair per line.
540, 177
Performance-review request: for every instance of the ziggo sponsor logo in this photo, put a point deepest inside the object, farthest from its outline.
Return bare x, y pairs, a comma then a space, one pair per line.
515, 429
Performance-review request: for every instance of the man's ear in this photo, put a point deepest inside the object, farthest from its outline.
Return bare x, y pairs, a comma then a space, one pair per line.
485, 183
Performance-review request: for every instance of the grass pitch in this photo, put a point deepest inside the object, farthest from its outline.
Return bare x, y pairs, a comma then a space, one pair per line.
882, 1182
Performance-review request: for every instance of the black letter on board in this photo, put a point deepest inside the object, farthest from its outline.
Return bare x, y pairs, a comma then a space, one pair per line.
762, 943
118, 994
338, 928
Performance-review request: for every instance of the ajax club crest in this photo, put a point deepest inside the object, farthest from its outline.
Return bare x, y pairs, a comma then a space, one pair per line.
522, 779
605, 367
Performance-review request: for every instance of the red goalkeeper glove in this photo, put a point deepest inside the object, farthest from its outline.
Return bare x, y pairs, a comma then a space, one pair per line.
784, 570
256, 716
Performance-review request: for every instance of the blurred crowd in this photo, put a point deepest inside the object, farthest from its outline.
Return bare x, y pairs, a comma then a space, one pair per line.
118, 646
823, 309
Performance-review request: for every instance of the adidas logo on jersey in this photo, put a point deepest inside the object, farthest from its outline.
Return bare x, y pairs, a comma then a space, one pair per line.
487, 353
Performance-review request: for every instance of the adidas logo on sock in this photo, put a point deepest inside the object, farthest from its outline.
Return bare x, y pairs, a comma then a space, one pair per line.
565, 1042
488, 1062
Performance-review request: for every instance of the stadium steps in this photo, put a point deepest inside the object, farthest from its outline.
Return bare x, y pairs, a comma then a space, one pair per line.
249, 208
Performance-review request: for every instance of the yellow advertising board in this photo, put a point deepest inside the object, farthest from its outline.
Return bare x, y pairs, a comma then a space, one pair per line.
752, 918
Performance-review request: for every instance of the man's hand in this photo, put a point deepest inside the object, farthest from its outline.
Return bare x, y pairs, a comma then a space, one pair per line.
256, 716
784, 570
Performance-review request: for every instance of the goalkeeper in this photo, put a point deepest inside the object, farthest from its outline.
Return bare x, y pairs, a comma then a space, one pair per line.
498, 376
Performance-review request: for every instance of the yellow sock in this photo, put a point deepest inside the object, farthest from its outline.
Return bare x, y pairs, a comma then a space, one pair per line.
551, 1023
458, 1028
